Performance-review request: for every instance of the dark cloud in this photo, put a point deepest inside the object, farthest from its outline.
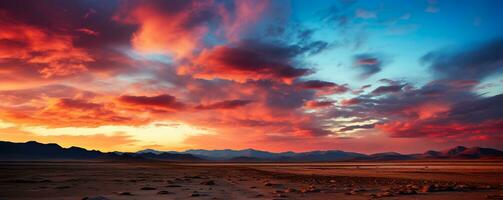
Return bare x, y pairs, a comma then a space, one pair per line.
477, 110
316, 84
228, 104
369, 64
244, 59
350, 128
79, 104
391, 82
361, 89
387, 89
284, 96
163, 101
438, 109
470, 64
479, 116
365, 87
251, 60
324, 87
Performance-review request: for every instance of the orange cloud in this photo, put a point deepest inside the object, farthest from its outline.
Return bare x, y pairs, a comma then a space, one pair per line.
176, 32
64, 115
60, 107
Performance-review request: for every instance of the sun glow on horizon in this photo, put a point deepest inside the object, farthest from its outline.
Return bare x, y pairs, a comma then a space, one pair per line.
164, 135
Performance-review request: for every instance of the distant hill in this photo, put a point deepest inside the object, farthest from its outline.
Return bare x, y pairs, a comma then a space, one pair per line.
322, 156
263, 156
462, 152
38, 151
479, 152
150, 151
252, 155
157, 152
388, 156
167, 156
227, 154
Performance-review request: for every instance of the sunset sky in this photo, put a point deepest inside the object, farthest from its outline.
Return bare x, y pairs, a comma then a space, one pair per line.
365, 76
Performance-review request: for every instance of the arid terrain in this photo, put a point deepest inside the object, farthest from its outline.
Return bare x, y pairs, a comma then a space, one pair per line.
161, 180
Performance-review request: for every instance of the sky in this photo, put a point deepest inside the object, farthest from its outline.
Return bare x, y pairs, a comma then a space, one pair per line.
353, 75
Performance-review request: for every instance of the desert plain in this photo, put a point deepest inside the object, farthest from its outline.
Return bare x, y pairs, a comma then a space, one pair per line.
76, 180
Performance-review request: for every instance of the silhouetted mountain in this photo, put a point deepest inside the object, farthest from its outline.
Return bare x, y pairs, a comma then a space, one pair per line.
256, 155
227, 154
479, 152
157, 152
388, 156
37, 151
168, 156
430, 154
252, 155
326, 156
149, 151
454, 151
463, 152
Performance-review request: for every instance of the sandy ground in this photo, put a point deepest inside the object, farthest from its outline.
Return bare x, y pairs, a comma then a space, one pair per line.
458, 180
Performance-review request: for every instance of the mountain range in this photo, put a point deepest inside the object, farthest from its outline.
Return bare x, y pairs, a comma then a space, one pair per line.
38, 151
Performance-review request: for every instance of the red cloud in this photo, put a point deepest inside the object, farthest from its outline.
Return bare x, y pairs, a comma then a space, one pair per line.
53, 54
349, 102
78, 104
88, 31
426, 129
318, 104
